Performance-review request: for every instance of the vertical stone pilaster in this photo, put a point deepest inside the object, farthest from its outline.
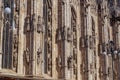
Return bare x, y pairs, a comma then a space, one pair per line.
54, 26
1, 31
21, 37
65, 46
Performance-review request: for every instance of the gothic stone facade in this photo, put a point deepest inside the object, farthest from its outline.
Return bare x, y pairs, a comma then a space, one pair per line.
59, 39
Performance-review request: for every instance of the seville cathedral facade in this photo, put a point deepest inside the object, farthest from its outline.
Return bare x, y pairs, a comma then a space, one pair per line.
60, 39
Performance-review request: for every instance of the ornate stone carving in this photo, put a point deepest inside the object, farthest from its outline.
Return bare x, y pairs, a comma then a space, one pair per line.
15, 51
33, 21
49, 15
87, 41
69, 62
59, 61
82, 42
83, 67
49, 30
49, 47
17, 5
101, 71
74, 39
27, 55
49, 63
91, 42
40, 25
63, 33
69, 33
58, 35
74, 53
17, 19
28, 23
39, 56
75, 68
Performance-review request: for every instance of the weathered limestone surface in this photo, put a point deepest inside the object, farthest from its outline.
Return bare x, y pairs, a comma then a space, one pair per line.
59, 39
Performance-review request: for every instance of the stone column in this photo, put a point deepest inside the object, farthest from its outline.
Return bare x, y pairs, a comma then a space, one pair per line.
33, 36
65, 45
88, 32
39, 37
21, 37
1, 32
54, 26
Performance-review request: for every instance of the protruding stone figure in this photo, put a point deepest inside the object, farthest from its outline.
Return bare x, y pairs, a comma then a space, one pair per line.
101, 71
83, 69
28, 23
33, 21
75, 68
49, 46
49, 63
74, 25
100, 49
27, 55
91, 42
17, 4
91, 68
49, 15
15, 52
49, 29
82, 42
17, 20
87, 41
69, 62
39, 56
74, 39
69, 33
58, 36
59, 61
74, 53
40, 25
15, 41
63, 33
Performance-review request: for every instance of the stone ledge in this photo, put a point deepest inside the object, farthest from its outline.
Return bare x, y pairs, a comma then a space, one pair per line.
8, 73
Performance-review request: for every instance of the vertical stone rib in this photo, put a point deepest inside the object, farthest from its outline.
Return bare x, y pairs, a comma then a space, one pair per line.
21, 37
1, 32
